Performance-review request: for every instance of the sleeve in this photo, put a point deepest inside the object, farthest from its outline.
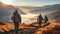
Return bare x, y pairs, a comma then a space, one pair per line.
12, 18
42, 18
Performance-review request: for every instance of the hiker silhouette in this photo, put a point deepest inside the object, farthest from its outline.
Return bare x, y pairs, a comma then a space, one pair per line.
16, 20
39, 20
46, 19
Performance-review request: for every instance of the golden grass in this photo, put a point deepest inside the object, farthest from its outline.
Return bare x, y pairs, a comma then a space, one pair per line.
10, 26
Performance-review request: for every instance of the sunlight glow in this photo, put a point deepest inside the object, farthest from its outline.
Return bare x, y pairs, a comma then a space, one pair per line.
7, 1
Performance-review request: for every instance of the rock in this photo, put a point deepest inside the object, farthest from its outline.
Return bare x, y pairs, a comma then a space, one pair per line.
2, 23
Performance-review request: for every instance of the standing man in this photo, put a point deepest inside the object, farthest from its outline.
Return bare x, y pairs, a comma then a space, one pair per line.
39, 20
16, 19
46, 19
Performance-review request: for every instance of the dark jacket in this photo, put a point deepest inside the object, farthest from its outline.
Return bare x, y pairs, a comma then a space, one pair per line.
39, 19
16, 18
46, 18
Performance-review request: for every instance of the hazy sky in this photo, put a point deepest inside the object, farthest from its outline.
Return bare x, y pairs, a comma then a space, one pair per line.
31, 2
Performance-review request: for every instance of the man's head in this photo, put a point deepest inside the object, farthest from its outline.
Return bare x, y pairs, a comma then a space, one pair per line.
16, 11
40, 14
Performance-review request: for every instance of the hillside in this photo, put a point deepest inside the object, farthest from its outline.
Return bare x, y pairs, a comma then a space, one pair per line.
6, 10
8, 28
55, 16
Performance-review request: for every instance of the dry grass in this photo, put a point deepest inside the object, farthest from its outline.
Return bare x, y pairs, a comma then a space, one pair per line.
50, 29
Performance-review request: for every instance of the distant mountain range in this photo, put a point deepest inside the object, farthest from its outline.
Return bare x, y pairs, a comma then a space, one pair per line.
47, 9
35, 10
55, 15
43, 9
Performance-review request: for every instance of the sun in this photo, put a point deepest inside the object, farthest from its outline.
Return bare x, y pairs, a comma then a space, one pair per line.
7, 1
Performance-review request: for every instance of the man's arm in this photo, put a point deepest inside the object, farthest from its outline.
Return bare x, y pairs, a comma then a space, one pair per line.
20, 18
12, 18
